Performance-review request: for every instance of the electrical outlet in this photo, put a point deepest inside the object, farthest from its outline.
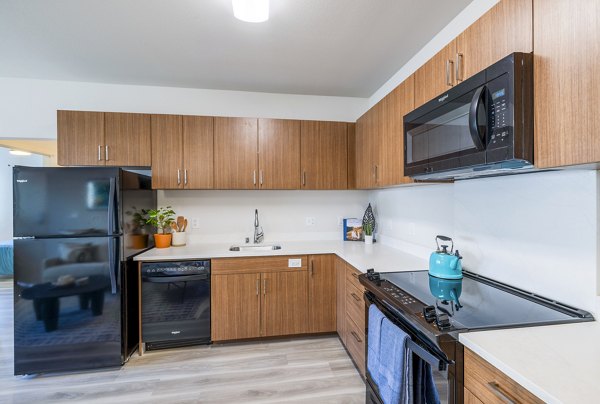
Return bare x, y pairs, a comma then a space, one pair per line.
310, 220
195, 223
295, 263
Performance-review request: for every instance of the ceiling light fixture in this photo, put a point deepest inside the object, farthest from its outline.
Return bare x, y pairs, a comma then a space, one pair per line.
19, 153
251, 10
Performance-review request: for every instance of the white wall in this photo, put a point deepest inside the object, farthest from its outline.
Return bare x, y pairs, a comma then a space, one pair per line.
7, 161
535, 231
228, 216
28, 107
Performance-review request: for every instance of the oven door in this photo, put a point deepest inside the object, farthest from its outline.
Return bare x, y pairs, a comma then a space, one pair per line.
448, 133
424, 350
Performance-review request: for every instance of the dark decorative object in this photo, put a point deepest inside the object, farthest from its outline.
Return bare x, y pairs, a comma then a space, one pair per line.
369, 219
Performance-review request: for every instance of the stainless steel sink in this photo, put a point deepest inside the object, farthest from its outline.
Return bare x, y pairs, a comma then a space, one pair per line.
255, 247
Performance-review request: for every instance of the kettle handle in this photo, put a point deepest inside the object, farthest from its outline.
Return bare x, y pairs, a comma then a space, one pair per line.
444, 238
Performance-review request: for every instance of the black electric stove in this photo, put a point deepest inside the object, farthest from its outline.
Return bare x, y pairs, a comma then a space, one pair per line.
433, 311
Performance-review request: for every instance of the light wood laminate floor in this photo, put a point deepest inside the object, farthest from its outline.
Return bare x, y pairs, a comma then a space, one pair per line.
307, 370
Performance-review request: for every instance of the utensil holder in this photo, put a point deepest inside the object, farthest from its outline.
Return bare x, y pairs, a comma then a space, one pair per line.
178, 239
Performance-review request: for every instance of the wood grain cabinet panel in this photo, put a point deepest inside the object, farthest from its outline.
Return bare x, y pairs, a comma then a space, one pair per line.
436, 75
235, 306
236, 153
340, 280
285, 303
127, 139
351, 163
566, 82
322, 293
324, 152
470, 398
366, 140
279, 154
489, 385
167, 149
80, 138
198, 142
504, 29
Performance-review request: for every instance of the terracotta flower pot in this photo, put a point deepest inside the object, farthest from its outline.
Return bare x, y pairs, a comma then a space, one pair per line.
162, 240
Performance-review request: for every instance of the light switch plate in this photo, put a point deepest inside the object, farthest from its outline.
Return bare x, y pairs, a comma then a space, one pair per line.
294, 262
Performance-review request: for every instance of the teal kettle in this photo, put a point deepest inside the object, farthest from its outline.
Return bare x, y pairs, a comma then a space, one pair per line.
443, 263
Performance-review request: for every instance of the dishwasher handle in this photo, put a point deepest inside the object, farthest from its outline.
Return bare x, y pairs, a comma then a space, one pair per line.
181, 278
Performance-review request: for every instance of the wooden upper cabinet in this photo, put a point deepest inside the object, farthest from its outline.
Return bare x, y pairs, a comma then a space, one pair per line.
278, 154
365, 143
436, 75
235, 306
167, 148
351, 160
504, 29
198, 142
566, 82
285, 303
80, 138
324, 153
236, 153
322, 293
127, 139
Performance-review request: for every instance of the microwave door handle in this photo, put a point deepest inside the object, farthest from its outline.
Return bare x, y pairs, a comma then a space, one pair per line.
473, 122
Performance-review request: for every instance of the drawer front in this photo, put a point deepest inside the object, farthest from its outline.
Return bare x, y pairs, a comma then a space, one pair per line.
490, 385
352, 276
355, 305
355, 338
257, 264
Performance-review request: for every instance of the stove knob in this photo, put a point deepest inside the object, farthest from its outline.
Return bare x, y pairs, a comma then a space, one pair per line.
442, 321
429, 313
372, 275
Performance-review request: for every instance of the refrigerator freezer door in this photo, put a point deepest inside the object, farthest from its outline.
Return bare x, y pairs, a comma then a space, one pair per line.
67, 304
65, 202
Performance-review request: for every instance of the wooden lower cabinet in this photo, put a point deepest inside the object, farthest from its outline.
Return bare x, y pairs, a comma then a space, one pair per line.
340, 280
484, 383
321, 293
285, 303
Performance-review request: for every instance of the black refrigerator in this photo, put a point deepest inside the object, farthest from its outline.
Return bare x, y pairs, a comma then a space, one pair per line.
76, 231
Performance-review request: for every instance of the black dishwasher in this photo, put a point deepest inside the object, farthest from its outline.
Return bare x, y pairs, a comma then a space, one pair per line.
175, 303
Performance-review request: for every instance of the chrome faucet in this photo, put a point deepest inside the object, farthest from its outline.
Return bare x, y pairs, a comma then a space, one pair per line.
258, 231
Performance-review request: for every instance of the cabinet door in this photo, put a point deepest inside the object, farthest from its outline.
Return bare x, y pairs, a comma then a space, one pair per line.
198, 135
167, 146
80, 138
235, 306
321, 293
285, 303
365, 149
390, 166
128, 139
504, 29
236, 153
351, 164
324, 155
470, 398
566, 82
340, 295
279, 153
436, 75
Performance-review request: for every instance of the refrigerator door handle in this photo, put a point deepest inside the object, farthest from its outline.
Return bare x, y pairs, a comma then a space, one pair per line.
113, 265
111, 207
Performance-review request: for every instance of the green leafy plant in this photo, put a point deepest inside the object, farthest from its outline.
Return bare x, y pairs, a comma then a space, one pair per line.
139, 220
368, 228
161, 218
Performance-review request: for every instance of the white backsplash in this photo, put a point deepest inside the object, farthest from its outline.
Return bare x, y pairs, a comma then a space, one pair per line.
535, 231
228, 216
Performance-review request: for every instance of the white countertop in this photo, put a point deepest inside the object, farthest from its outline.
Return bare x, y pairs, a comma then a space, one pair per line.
557, 363
361, 256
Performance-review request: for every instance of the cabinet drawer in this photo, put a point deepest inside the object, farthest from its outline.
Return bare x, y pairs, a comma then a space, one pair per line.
355, 305
490, 385
355, 342
352, 277
257, 264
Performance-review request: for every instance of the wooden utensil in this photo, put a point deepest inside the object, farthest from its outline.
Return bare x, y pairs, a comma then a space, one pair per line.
180, 220
184, 224
174, 226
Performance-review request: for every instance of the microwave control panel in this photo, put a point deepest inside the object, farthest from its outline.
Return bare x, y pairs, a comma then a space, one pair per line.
500, 113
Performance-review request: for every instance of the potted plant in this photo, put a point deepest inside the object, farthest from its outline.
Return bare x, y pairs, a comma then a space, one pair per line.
137, 236
161, 220
368, 228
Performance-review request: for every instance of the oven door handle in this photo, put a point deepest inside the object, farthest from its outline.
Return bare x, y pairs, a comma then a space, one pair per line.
169, 279
477, 137
433, 360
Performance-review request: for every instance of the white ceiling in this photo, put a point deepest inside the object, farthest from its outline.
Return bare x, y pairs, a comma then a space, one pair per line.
321, 47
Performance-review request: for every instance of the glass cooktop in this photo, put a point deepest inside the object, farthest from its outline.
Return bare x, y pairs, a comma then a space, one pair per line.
476, 302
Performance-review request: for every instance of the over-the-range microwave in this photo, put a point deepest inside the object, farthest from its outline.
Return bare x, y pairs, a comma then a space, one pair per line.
481, 127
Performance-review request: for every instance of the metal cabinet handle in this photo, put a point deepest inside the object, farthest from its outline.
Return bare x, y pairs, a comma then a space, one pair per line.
264, 286
312, 267
449, 72
354, 274
499, 393
459, 58
304, 178
99, 153
355, 335
376, 173
261, 177
355, 296
185, 177
254, 177
178, 177
106, 152
257, 287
